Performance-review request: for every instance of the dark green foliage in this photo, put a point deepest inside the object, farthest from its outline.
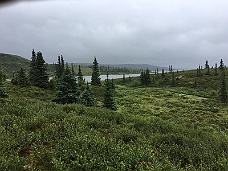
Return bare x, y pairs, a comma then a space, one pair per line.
87, 96
20, 78
81, 80
195, 83
60, 67
199, 73
41, 72
38, 71
117, 70
113, 84
145, 77
207, 67
124, 79
170, 68
206, 64
67, 89
221, 66
53, 83
129, 78
109, 101
223, 88
142, 77
2, 88
173, 81
95, 80
163, 73
32, 72
216, 70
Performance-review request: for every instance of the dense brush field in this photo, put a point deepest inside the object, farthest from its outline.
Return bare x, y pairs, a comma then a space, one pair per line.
154, 128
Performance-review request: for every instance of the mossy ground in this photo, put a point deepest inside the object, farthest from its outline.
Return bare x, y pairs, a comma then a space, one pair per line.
154, 128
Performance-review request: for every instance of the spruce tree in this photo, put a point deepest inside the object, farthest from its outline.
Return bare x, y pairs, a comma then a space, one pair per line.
42, 79
147, 77
173, 83
72, 70
142, 78
113, 84
20, 78
81, 81
199, 71
206, 64
95, 80
223, 89
60, 67
109, 102
38, 71
216, 70
124, 79
87, 96
67, 89
163, 73
207, 67
221, 64
32, 72
3, 93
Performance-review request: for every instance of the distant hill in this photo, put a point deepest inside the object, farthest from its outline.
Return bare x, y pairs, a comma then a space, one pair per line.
12, 63
140, 66
129, 66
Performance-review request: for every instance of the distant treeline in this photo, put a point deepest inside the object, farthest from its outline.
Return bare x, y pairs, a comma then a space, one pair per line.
116, 70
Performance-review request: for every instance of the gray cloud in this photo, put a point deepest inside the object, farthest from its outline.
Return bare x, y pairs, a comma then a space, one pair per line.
181, 33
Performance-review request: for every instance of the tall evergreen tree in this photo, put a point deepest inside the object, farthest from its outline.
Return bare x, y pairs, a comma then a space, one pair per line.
207, 67
216, 70
223, 89
142, 78
20, 78
60, 67
109, 102
42, 79
147, 77
95, 80
221, 64
72, 70
206, 64
3, 93
32, 72
124, 79
199, 71
81, 81
67, 89
113, 84
163, 73
38, 72
87, 96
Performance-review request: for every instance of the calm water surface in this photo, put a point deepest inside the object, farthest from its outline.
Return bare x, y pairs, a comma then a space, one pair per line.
103, 77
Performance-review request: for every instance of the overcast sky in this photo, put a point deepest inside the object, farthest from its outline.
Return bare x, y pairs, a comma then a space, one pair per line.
184, 33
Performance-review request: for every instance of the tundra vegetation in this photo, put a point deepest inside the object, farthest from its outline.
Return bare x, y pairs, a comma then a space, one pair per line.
175, 120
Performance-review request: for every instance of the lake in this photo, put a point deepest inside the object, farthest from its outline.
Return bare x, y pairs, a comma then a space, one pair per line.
103, 77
